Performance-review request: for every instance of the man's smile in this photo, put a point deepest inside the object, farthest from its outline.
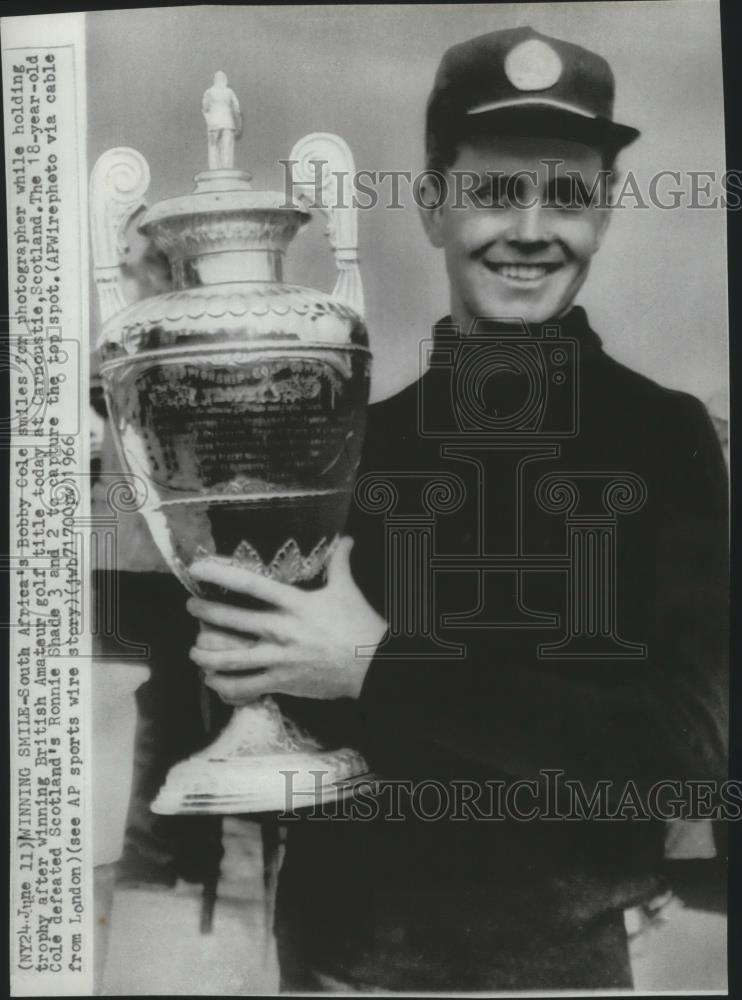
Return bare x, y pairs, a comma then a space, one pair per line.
522, 274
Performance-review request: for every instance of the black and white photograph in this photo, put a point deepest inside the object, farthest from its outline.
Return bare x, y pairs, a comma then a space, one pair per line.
368, 442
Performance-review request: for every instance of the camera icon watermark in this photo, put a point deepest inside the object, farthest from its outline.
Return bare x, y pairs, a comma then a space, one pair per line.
499, 380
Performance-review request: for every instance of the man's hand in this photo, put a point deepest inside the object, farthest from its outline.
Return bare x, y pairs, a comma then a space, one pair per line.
304, 644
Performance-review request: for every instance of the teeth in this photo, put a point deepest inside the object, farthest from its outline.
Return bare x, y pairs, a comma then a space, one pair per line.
522, 272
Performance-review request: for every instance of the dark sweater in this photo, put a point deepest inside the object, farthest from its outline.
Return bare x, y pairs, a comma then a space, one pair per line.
418, 904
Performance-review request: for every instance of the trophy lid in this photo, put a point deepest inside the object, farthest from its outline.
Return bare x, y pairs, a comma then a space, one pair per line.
223, 192
226, 234
219, 192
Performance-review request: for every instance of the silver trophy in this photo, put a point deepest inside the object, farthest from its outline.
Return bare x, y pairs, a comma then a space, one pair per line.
240, 401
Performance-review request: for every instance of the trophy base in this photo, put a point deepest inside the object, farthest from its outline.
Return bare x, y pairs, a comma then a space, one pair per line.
274, 783
260, 763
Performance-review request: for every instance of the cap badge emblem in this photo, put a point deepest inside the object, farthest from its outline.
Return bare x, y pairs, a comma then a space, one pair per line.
533, 65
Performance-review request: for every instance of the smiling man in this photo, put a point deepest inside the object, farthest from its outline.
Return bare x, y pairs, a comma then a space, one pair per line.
529, 255
514, 661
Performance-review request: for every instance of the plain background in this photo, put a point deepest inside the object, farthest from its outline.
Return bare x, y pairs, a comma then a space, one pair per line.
657, 290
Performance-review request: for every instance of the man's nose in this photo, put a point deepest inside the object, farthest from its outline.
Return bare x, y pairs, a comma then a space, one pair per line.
529, 222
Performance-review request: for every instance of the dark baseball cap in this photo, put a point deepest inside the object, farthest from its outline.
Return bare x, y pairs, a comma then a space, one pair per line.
521, 82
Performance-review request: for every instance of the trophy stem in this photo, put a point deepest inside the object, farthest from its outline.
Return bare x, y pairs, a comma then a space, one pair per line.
260, 763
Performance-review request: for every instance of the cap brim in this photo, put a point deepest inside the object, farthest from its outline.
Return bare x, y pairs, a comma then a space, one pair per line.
551, 120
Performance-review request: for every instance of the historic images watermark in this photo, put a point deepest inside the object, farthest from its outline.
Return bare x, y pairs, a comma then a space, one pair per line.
553, 796
566, 189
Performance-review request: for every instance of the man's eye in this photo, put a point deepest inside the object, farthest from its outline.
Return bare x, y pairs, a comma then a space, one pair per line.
492, 193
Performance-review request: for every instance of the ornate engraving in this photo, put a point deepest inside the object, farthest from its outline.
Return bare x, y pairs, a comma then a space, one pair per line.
287, 566
260, 229
282, 313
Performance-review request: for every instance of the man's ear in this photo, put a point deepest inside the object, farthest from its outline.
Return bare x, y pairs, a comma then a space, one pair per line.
430, 207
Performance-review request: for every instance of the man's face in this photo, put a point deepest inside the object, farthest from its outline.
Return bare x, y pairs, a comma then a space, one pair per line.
525, 250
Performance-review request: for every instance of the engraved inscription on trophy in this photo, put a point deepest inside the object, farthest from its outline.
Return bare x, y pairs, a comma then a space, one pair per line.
300, 407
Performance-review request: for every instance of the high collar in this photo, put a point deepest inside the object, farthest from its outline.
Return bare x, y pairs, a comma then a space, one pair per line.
572, 325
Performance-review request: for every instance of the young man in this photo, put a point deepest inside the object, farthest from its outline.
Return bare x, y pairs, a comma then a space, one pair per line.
558, 463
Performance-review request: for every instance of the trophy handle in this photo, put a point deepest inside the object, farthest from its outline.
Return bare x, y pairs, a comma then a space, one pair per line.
118, 184
323, 170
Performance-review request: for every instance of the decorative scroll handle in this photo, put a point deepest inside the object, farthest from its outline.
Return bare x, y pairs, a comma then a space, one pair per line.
118, 184
323, 171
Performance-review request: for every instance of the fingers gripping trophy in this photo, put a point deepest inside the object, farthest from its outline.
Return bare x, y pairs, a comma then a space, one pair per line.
240, 401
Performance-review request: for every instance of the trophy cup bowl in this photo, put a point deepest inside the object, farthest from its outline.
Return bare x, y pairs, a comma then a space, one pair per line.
240, 402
